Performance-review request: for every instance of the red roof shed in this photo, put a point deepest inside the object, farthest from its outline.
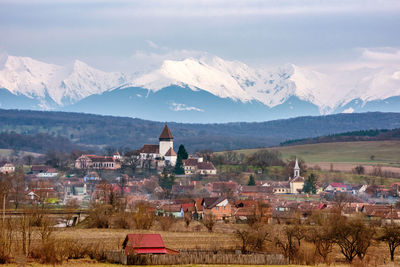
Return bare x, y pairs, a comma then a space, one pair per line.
145, 244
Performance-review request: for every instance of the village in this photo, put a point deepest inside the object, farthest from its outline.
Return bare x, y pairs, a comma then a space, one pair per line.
155, 183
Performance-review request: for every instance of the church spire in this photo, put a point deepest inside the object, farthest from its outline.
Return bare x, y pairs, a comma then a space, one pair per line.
166, 134
296, 169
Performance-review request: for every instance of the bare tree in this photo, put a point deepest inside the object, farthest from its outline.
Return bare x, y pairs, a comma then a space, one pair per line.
290, 241
352, 236
209, 221
391, 236
143, 215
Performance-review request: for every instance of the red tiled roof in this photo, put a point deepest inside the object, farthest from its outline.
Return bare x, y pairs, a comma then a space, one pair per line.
145, 241
166, 133
170, 152
150, 149
171, 208
337, 184
96, 158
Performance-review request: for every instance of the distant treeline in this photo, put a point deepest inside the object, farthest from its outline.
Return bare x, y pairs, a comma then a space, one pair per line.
363, 135
39, 143
101, 131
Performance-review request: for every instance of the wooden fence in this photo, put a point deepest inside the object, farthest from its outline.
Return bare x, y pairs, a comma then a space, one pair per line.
197, 258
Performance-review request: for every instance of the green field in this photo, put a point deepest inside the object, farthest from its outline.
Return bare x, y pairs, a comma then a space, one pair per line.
384, 152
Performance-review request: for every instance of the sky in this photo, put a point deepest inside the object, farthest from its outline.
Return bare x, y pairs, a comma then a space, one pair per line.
134, 35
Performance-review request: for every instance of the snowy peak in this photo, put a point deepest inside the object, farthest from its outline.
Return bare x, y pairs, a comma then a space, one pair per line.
212, 77
62, 84
57, 86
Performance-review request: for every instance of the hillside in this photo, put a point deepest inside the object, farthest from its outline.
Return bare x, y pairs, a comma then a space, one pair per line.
363, 135
344, 156
96, 130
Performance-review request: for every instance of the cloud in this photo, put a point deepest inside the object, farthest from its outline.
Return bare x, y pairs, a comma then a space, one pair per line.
385, 54
182, 107
152, 44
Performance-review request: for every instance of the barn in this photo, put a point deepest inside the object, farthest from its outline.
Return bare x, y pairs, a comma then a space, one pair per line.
145, 244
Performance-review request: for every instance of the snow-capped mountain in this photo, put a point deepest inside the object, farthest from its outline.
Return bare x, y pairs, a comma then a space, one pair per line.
197, 89
273, 87
48, 82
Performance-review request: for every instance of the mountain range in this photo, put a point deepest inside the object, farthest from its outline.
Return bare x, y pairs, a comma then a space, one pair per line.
205, 89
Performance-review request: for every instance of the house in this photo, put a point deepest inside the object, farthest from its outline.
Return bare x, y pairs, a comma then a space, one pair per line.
222, 188
97, 162
40, 168
336, 187
281, 187
6, 167
296, 182
219, 207
198, 166
49, 173
254, 191
164, 151
174, 210
145, 244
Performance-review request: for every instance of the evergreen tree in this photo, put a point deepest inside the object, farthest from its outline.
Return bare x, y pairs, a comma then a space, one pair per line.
252, 181
167, 180
182, 154
179, 166
310, 185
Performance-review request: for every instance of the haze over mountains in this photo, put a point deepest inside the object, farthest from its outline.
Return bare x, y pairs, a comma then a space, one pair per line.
206, 89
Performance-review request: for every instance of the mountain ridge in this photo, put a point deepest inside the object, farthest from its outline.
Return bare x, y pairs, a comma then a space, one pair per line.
54, 87
101, 131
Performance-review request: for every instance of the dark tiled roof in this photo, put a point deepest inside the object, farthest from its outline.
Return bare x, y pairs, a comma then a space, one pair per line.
96, 158
150, 149
170, 152
210, 202
166, 133
189, 162
205, 166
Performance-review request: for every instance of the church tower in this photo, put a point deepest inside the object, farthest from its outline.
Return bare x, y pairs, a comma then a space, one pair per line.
166, 141
296, 169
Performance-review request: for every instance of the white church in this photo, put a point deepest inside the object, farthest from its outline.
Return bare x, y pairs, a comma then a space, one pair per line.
164, 151
296, 182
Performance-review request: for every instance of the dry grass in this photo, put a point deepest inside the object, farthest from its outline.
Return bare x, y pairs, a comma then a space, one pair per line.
385, 152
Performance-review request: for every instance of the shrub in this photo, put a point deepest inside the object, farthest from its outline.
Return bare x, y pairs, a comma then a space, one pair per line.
166, 222
100, 216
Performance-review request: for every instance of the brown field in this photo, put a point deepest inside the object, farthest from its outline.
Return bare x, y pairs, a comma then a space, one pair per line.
181, 238
348, 167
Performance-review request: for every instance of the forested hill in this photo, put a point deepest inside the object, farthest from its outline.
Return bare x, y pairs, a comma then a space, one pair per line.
363, 135
119, 132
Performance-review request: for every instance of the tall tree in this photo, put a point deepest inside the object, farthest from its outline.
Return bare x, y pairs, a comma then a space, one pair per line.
391, 236
252, 181
310, 185
167, 180
182, 152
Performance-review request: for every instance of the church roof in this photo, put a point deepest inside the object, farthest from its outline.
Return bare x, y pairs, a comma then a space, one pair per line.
150, 149
166, 133
170, 152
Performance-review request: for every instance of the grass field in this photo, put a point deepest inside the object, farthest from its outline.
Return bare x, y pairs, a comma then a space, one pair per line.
8, 152
383, 152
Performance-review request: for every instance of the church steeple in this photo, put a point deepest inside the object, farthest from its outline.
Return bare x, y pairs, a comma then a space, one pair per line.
296, 169
166, 141
166, 134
